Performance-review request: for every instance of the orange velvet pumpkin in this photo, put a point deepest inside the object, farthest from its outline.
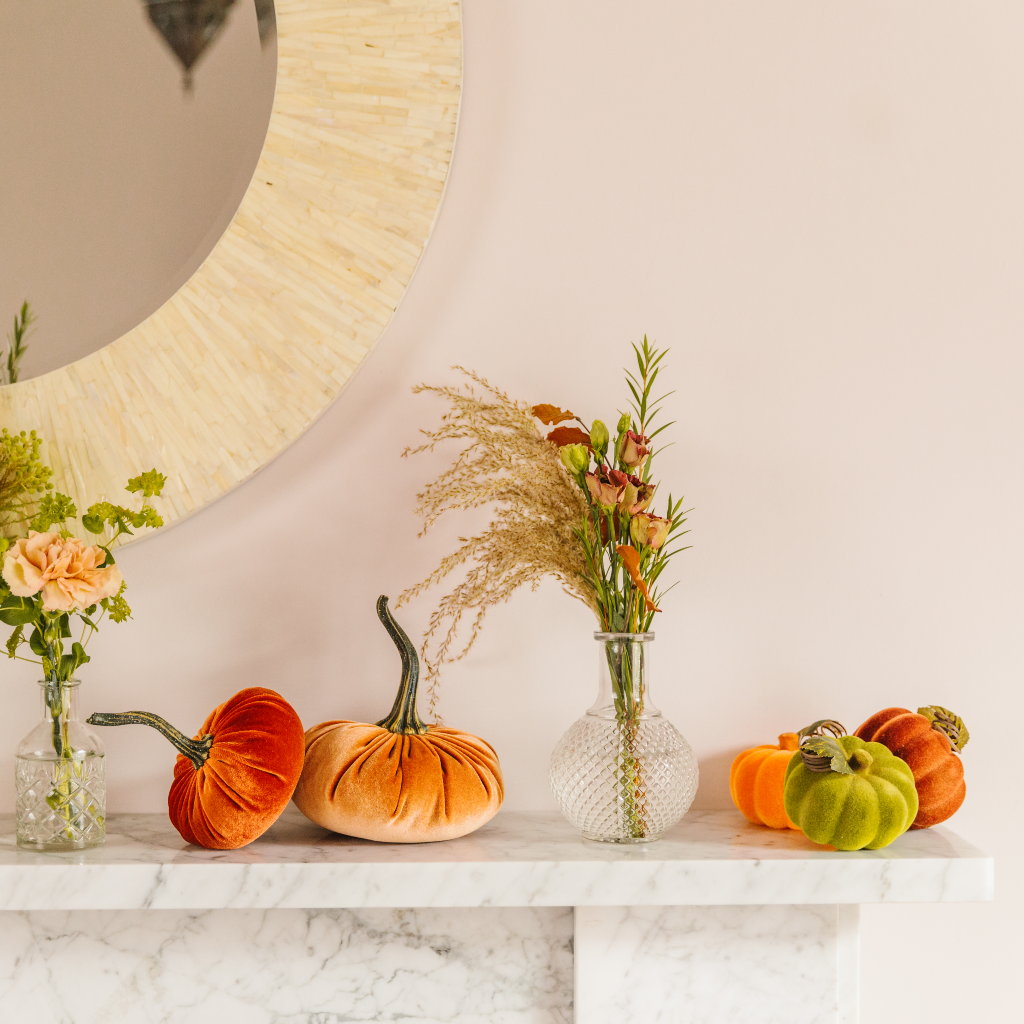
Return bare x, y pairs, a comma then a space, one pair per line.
233, 780
398, 781
757, 778
929, 742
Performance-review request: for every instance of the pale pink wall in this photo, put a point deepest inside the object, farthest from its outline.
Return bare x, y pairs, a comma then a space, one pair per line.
819, 207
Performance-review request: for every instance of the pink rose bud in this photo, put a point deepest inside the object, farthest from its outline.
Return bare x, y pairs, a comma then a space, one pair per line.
629, 496
644, 496
604, 492
647, 529
634, 451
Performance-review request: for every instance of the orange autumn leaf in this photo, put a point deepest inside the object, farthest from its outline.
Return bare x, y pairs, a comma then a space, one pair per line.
569, 435
551, 414
631, 560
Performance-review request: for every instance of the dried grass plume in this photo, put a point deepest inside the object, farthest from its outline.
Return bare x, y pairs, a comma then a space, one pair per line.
506, 463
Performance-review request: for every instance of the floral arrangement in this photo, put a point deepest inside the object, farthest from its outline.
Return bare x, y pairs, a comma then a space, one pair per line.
50, 575
575, 504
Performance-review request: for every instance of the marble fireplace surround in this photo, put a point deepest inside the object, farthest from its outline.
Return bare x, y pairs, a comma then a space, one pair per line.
520, 923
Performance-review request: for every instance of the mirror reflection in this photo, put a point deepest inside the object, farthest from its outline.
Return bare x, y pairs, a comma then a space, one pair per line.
131, 131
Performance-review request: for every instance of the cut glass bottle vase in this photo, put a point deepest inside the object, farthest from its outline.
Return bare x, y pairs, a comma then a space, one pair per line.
60, 787
623, 773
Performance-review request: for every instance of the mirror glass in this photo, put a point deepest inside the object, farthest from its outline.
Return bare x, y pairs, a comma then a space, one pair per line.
129, 132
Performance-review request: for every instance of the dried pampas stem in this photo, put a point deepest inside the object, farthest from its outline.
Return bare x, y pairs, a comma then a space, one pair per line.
505, 462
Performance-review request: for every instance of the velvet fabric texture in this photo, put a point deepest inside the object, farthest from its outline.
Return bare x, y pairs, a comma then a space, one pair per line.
867, 809
938, 772
249, 777
757, 778
365, 781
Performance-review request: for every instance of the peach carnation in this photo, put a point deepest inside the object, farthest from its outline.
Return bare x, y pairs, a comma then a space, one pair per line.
66, 571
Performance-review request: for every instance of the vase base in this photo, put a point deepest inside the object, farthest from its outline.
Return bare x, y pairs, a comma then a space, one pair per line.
621, 839
61, 847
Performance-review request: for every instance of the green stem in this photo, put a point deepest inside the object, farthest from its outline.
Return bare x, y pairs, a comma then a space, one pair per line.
625, 665
197, 751
403, 717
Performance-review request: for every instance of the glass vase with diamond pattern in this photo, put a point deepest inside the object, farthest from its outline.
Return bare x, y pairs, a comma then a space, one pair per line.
59, 778
623, 773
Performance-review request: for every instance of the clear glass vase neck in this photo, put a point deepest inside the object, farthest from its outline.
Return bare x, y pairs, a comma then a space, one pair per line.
623, 677
60, 698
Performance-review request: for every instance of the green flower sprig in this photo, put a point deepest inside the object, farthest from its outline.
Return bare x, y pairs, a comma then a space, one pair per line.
23, 477
626, 546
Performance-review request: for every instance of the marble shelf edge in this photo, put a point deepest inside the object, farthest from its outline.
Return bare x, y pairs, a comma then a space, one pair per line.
520, 860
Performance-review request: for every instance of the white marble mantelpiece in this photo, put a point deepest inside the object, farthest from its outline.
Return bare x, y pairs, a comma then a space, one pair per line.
523, 922
711, 858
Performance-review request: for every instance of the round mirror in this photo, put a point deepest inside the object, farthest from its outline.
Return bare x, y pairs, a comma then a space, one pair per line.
131, 130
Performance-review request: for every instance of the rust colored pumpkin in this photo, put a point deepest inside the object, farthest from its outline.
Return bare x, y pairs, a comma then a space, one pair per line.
757, 777
929, 742
398, 781
233, 780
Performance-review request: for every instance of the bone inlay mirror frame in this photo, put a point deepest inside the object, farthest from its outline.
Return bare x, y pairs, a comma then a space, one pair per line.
292, 298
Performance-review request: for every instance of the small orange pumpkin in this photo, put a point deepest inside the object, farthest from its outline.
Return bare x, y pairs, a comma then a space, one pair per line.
929, 742
399, 781
757, 777
233, 780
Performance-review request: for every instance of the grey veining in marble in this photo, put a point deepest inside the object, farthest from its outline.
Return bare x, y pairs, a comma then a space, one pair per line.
716, 965
525, 860
486, 966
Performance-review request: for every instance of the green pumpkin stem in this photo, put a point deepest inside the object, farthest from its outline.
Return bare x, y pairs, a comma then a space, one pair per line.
949, 724
403, 717
197, 751
860, 759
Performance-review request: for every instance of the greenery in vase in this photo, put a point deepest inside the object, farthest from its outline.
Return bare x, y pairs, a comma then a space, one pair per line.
576, 504
625, 544
17, 345
51, 577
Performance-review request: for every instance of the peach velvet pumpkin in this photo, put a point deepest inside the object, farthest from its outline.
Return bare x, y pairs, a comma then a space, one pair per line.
929, 742
398, 781
233, 780
757, 779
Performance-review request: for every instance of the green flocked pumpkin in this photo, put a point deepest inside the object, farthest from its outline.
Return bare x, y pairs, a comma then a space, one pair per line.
848, 793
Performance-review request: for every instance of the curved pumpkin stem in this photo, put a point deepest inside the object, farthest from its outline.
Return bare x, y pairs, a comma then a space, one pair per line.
824, 727
824, 754
404, 717
197, 751
949, 723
